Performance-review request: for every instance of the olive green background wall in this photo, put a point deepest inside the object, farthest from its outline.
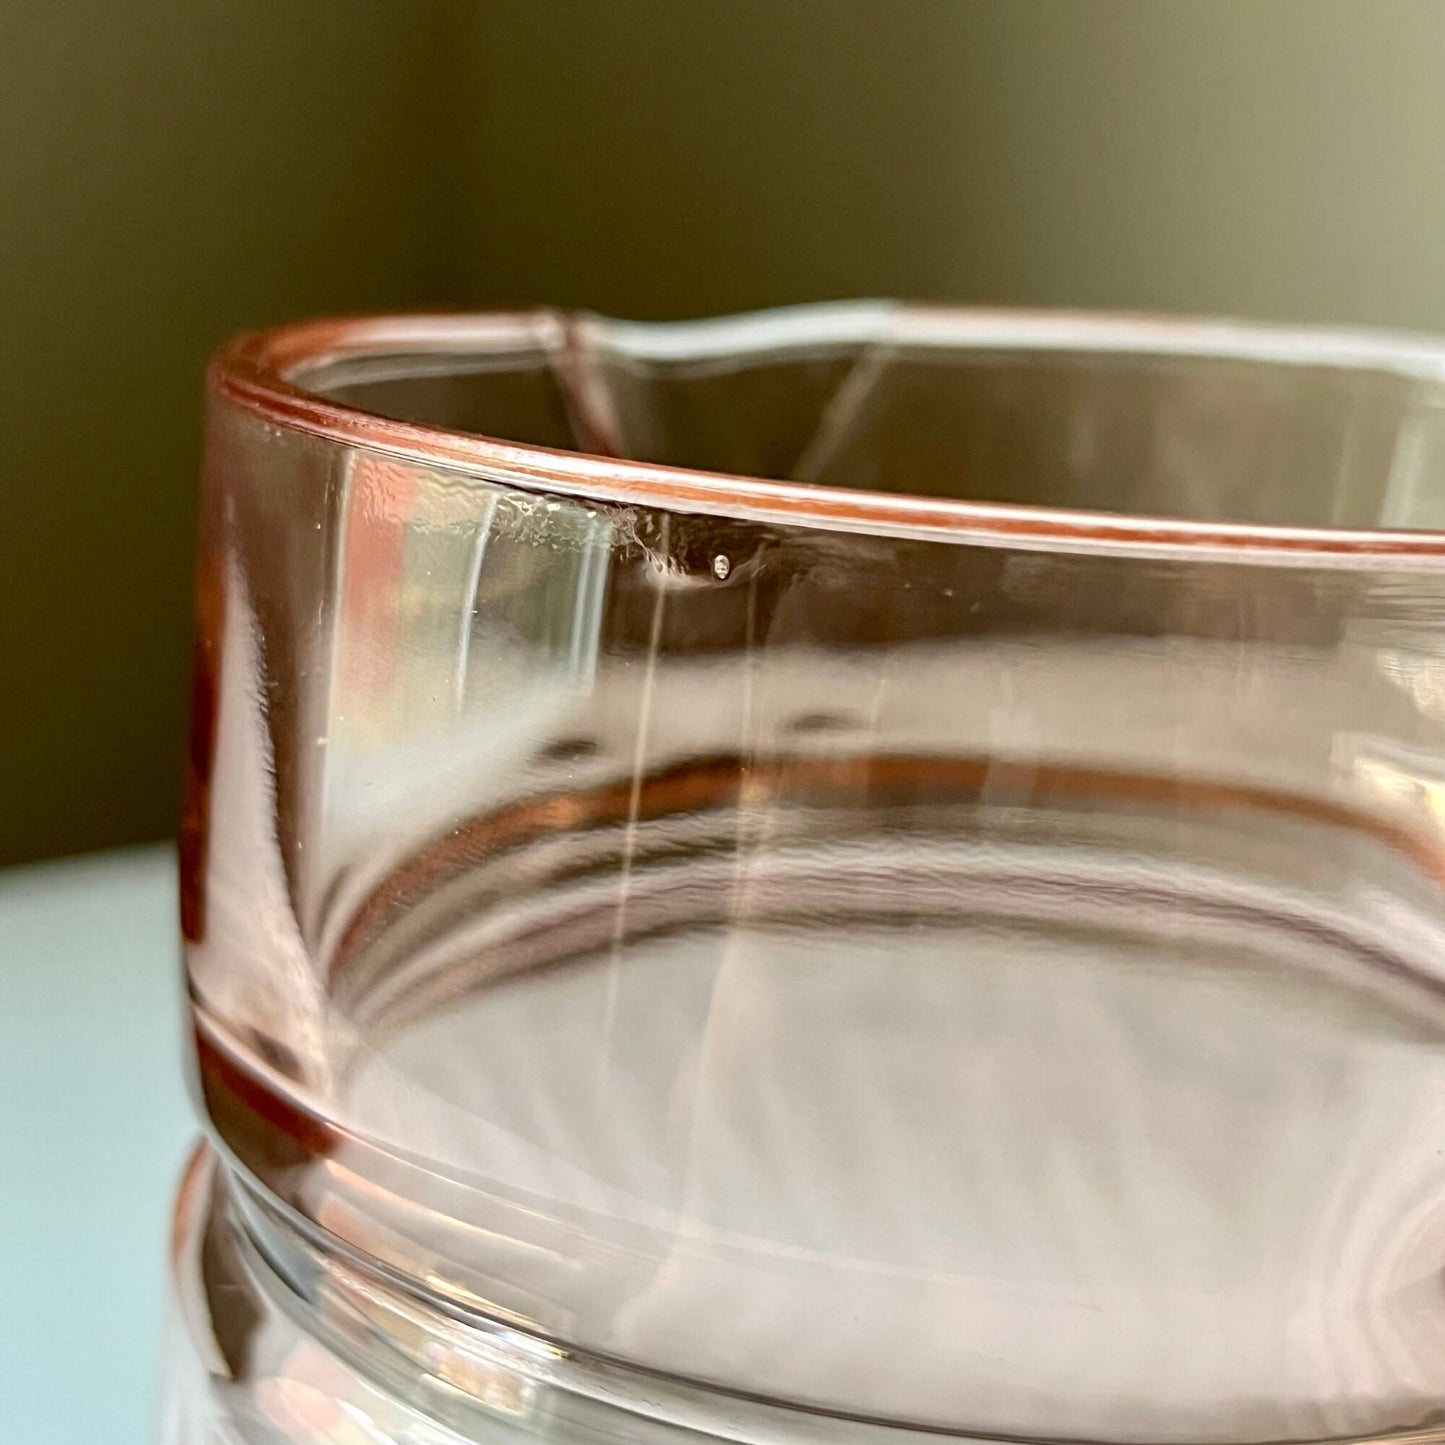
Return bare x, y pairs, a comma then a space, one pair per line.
169, 173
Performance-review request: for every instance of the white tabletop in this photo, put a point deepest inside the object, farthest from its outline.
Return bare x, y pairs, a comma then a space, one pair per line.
94, 1125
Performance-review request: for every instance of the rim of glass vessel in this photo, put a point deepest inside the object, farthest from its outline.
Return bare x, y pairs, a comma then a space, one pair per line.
264, 373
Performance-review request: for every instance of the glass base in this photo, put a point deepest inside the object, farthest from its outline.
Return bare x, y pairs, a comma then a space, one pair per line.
274, 1339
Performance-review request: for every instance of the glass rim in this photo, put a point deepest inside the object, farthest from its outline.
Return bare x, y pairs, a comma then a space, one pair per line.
263, 372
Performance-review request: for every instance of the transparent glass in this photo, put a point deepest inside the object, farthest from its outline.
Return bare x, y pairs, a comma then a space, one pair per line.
815, 876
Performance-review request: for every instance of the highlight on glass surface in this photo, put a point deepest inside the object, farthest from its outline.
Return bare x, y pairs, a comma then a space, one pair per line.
826, 875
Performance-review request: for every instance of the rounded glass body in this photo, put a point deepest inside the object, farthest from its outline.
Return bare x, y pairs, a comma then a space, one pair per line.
830, 874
